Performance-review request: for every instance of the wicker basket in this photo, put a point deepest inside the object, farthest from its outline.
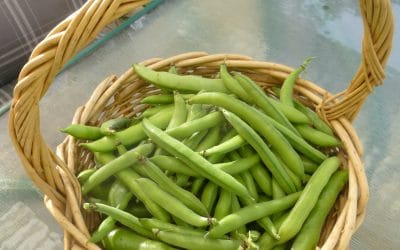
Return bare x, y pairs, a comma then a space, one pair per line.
54, 173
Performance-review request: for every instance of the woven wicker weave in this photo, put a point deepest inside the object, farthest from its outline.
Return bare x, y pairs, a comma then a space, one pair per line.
54, 173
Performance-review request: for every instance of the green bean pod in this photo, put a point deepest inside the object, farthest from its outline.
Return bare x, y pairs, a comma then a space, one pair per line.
225, 147
158, 99
292, 114
83, 132
123, 239
286, 95
232, 84
309, 234
186, 83
309, 197
317, 137
251, 213
131, 135
117, 193
123, 217
172, 204
85, 174
239, 165
195, 242
178, 117
192, 159
191, 127
120, 163
180, 111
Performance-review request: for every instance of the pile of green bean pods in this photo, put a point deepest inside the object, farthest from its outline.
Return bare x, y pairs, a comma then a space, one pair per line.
212, 163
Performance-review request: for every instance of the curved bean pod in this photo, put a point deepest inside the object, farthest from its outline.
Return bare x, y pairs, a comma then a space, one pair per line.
180, 111
123, 217
239, 165
83, 132
309, 234
85, 174
158, 99
232, 84
120, 163
317, 137
127, 176
225, 147
188, 128
309, 197
251, 213
131, 135
123, 239
292, 114
288, 85
185, 83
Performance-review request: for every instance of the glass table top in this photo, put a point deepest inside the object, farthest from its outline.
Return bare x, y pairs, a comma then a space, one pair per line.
280, 31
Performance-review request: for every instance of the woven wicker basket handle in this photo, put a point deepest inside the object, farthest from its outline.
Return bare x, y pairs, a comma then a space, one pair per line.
378, 24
